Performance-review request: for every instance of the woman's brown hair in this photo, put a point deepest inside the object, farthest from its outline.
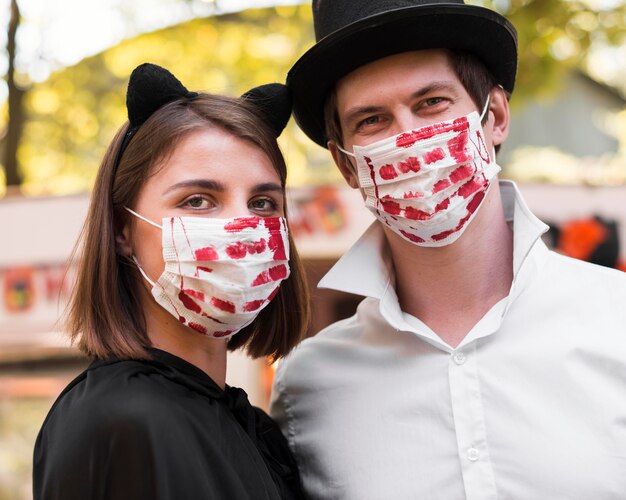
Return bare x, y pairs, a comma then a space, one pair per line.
104, 315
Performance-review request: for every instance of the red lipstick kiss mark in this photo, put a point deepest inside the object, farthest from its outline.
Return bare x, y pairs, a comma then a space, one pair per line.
458, 147
411, 164
387, 172
278, 272
273, 274
223, 305
475, 203
470, 187
414, 214
463, 172
412, 237
442, 205
239, 249
275, 242
459, 174
257, 246
198, 328
471, 208
253, 305
433, 156
441, 185
412, 195
390, 207
206, 253
236, 250
222, 334
273, 294
407, 139
188, 302
443, 235
242, 223
195, 294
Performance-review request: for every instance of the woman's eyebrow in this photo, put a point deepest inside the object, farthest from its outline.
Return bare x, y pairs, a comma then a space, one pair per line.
267, 186
197, 183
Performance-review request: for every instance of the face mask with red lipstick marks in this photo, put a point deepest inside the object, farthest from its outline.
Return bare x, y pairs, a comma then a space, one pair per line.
427, 184
220, 273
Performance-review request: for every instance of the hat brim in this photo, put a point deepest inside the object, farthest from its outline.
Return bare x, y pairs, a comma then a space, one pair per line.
474, 29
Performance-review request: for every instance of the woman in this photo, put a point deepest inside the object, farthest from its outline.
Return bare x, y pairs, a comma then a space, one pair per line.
185, 256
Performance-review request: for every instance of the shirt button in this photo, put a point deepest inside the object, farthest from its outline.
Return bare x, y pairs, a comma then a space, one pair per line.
473, 454
459, 358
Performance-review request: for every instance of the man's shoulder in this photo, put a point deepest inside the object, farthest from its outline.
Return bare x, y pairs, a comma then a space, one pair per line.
585, 272
333, 345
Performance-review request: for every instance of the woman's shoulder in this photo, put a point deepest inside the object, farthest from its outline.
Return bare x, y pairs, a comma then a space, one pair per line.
107, 393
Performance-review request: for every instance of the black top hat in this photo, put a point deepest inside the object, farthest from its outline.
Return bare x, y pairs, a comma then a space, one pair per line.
352, 33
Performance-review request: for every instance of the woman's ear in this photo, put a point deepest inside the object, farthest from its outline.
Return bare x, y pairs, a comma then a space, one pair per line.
499, 108
123, 245
344, 164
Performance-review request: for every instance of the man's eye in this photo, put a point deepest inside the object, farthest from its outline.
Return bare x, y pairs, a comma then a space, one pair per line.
370, 120
433, 101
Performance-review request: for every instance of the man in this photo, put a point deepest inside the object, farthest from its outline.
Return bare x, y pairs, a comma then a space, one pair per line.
480, 364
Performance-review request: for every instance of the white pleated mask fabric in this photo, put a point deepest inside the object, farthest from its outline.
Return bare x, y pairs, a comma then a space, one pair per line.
220, 273
427, 184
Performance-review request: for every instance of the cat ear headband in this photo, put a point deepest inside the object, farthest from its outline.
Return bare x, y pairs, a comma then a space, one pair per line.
151, 87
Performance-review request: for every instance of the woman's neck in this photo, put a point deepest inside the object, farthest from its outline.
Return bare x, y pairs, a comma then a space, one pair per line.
168, 334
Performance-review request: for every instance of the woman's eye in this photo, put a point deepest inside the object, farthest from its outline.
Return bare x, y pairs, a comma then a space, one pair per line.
197, 202
263, 205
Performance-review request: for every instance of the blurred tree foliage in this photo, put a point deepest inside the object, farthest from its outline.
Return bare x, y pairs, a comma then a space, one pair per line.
74, 114
556, 35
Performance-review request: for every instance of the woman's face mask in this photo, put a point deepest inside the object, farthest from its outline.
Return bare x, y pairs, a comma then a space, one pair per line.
219, 273
427, 184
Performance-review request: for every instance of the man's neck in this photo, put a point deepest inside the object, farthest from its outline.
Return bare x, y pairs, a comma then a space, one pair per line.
452, 287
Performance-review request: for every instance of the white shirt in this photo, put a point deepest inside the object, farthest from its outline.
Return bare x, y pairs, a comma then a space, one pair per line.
530, 406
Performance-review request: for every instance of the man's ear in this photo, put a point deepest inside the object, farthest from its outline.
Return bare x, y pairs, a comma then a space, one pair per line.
347, 169
499, 108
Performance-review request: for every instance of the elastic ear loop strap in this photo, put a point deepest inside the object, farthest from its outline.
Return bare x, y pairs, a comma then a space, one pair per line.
143, 273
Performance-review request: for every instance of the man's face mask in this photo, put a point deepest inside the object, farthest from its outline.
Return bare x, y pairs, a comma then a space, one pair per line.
427, 184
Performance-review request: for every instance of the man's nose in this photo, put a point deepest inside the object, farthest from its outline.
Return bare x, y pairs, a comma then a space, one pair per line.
405, 119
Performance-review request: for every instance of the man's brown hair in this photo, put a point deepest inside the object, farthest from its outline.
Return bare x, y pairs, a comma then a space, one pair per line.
104, 315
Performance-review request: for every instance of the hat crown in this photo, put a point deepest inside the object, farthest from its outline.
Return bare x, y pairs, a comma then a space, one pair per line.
332, 15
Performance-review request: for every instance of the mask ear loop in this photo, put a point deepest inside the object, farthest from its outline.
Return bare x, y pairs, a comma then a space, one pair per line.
344, 151
482, 115
143, 273
143, 218
485, 108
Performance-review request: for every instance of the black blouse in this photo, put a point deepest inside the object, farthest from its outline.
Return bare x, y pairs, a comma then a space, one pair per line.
159, 429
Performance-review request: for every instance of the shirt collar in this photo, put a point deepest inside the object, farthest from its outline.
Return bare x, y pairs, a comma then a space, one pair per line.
366, 269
